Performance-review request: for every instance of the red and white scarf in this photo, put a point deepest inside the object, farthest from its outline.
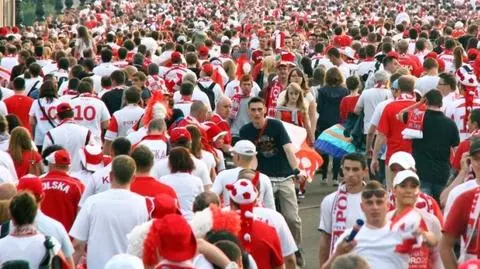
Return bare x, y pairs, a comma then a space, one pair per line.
236, 99
339, 214
406, 223
272, 97
472, 227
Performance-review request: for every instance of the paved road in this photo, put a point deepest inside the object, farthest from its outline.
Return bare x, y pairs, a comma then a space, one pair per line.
310, 212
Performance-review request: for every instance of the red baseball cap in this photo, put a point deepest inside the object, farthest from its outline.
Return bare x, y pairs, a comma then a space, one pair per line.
213, 131
176, 56
30, 183
207, 68
178, 133
203, 50
59, 157
63, 107
177, 242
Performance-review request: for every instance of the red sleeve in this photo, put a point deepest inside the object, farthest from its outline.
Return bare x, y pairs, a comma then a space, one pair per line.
343, 109
462, 148
383, 125
37, 157
113, 125
457, 219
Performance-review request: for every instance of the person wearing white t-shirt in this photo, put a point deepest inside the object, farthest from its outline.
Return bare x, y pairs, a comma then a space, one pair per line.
106, 67
341, 209
406, 188
155, 140
244, 158
447, 85
375, 241
25, 242
370, 98
185, 102
334, 56
100, 179
124, 119
180, 137
197, 94
429, 81
43, 113
8, 174
233, 87
89, 111
106, 218
186, 186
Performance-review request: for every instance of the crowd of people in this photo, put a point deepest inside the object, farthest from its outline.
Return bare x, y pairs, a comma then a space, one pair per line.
159, 135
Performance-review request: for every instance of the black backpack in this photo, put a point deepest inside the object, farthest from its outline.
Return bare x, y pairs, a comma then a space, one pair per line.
209, 92
50, 260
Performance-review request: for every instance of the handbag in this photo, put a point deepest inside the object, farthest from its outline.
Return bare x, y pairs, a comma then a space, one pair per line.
51, 260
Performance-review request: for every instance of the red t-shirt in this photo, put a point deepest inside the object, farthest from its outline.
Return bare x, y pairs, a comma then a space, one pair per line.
224, 126
347, 105
62, 195
19, 105
149, 186
28, 157
392, 128
457, 220
463, 147
265, 246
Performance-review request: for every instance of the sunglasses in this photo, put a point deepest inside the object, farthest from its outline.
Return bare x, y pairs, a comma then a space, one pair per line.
379, 193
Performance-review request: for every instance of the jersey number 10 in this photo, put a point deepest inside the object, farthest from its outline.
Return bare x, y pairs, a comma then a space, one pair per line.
88, 113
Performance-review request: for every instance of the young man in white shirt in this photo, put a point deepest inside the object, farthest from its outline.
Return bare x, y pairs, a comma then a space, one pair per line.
90, 111
340, 210
106, 218
155, 140
124, 119
375, 241
186, 101
244, 153
429, 80
106, 67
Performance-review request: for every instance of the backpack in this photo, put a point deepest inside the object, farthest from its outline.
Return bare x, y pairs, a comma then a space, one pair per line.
209, 92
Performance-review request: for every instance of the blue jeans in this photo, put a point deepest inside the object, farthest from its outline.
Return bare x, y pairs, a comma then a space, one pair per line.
432, 189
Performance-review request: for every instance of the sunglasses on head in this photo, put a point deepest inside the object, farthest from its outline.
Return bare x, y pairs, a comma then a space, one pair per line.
379, 193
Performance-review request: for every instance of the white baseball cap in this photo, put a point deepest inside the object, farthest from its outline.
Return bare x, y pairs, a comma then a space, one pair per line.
403, 175
244, 147
124, 261
402, 158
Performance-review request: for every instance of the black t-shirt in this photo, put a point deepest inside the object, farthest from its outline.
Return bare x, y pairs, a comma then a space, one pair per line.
113, 100
328, 106
432, 153
271, 156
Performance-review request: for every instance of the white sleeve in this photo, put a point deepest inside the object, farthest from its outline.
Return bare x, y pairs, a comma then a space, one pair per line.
256, 88
89, 191
47, 141
450, 199
81, 226
326, 214
268, 199
377, 114
3, 109
341, 238
33, 108
217, 186
105, 113
203, 173
218, 93
360, 103
65, 242
287, 241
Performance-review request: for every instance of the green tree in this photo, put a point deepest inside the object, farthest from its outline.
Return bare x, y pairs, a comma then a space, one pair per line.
58, 6
69, 4
40, 10
18, 12
82, 3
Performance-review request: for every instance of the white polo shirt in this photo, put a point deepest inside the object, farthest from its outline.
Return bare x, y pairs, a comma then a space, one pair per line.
104, 221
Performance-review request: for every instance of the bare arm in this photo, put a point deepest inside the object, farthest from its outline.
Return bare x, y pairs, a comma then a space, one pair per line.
104, 124
310, 132
280, 266
343, 248
459, 179
312, 114
290, 261
212, 253
370, 137
292, 160
79, 247
107, 147
379, 142
446, 251
324, 247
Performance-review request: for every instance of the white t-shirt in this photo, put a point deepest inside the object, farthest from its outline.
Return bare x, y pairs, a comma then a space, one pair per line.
365, 67
104, 69
28, 248
448, 100
156, 145
233, 87
187, 188
122, 120
175, 75
426, 83
6, 93
367, 102
184, 106
104, 221
456, 111
197, 95
33, 83
354, 211
161, 168
217, 90
377, 114
8, 174
100, 182
42, 123
136, 136
321, 60
9, 62
277, 221
457, 191
377, 247
209, 160
229, 176
345, 69
90, 112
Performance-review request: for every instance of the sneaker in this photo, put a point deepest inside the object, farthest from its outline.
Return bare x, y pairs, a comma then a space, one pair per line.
299, 257
301, 195
335, 182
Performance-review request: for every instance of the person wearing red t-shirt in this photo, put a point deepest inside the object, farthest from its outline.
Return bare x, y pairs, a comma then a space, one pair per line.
221, 116
462, 221
25, 157
62, 192
349, 102
143, 183
474, 127
390, 128
19, 104
257, 238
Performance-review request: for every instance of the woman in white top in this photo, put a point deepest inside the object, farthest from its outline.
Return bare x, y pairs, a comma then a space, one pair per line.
84, 41
25, 242
182, 181
197, 150
43, 111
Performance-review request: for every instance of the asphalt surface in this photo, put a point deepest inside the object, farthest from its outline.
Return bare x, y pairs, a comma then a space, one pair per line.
310, 215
